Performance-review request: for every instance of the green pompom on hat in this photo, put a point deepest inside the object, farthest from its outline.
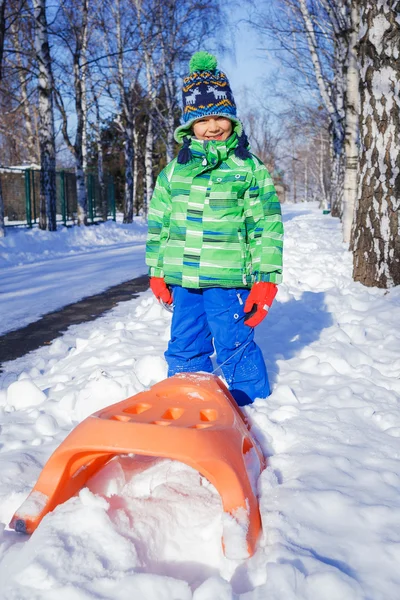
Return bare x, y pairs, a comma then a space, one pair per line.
202, 61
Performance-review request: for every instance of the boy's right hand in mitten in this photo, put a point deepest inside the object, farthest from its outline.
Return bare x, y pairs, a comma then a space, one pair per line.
160, 289
259, 302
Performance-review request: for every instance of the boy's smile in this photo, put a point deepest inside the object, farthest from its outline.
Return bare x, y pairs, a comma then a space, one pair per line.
212, 128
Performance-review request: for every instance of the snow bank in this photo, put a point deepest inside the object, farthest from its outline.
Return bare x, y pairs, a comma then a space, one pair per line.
23, 246
42, 271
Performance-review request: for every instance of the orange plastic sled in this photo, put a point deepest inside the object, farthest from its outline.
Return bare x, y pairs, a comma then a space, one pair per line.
190, 417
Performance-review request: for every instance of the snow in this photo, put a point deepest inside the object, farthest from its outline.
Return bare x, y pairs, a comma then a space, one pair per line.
42, 271
151, 528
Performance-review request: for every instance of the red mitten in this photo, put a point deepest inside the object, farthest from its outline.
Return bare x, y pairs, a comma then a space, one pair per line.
160, 289
259, 302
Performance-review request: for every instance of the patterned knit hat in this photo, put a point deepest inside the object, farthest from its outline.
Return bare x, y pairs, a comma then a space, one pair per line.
206, 92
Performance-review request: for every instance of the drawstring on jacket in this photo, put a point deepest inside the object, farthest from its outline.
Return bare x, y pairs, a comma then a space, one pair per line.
185, 154
241, 150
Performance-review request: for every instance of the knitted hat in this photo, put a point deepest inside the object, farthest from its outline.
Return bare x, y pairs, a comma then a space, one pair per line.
206, 92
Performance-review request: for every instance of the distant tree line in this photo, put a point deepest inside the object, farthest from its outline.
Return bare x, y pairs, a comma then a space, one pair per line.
346, 52
102, 75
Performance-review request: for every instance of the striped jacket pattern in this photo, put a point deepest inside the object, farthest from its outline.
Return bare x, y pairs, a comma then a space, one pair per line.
215, 221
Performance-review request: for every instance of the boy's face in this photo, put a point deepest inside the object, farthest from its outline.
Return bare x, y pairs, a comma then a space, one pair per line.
212, 128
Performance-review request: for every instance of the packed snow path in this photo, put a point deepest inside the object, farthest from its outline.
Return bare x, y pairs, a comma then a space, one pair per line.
151, 529
18, 342
42, 271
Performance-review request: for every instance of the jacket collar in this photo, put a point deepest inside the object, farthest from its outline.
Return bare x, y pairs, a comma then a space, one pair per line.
214, 151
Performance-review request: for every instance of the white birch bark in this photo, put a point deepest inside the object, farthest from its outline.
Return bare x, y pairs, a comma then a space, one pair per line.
2, 38
81, 192
129, 180
324, 197
376, 254
78, 34
332, 109
126, 124
151, 92
322, 86
84, 76
168, 79
148, 163
351, 133
2, 225
136, 171
100, 167
306, 180
47, 218
31, 153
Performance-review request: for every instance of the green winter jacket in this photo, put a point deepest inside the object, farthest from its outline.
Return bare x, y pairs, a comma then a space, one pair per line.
215, 221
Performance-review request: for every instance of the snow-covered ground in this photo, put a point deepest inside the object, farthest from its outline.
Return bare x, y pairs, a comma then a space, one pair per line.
41, 271
151, 529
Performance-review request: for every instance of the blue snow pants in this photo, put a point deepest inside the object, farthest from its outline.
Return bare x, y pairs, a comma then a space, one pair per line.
202, 316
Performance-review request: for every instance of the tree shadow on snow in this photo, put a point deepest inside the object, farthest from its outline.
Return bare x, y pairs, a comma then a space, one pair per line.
290, 327
294, 214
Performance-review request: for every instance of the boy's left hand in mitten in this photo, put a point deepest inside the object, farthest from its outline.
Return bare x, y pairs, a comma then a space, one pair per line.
161, 290
259, 302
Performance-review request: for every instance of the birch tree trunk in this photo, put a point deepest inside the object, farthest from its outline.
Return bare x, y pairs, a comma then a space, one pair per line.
136, 171
30, 140
306, 180
2, 38
80, 108
2, 33
129, 182
79, 170
148, 163
168, 77
46, 120
333, 111
151, 92
127, 123
2, 225
376, 254
351, 132
100, 167
324, 199
84, 76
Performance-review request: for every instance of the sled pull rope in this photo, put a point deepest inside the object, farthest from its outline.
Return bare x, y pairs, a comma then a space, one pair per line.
231, 356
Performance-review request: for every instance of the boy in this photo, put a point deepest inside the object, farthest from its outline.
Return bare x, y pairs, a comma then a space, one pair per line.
214, 244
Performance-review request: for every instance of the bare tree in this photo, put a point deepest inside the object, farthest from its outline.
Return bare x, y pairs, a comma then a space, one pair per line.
264, 142
376, 231
351, 126
317, 38
24, 72
99, 151
146, 25
129, 111
2, 39
47, 218
72, 30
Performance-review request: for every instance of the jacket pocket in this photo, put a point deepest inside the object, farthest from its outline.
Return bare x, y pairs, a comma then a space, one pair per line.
222, 200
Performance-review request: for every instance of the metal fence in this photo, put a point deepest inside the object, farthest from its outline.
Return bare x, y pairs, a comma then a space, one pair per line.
21, 193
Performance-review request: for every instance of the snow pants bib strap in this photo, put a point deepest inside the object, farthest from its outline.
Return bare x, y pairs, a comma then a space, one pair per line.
216, 314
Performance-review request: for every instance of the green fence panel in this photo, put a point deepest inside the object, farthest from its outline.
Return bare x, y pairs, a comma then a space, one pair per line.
28, 197
21, 192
